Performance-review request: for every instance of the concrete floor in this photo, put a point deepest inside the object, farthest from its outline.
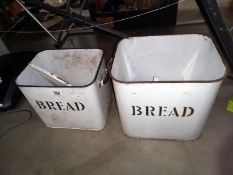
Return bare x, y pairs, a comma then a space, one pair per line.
34, 149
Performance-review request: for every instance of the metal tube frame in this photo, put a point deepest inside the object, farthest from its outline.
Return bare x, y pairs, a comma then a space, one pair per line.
209, 9
35, 19
220, 31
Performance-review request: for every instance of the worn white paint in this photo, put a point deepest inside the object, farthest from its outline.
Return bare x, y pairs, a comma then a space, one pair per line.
57, 106
188, 71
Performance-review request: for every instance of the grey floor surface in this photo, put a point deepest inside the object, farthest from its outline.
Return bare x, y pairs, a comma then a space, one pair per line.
33, 149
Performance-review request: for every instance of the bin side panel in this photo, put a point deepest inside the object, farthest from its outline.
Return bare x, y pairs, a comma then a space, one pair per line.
165, 110
103, 92
66, 107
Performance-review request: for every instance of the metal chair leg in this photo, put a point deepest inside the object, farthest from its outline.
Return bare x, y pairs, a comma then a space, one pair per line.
220, 31
35, 19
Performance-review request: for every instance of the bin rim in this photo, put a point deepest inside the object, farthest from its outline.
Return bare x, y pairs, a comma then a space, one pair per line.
83, 86
111, 61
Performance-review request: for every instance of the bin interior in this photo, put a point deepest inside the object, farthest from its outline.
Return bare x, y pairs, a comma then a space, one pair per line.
75, 66
167, 58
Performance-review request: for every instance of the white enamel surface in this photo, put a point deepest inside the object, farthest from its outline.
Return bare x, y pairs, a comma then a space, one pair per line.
198, 96
94, 97
166, 58
76, 66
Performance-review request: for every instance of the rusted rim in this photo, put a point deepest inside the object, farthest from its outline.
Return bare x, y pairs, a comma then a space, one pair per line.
178, 81
154, 82
94, 79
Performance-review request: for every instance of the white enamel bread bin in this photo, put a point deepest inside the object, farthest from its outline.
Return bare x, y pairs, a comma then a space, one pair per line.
165, 86
84, 105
